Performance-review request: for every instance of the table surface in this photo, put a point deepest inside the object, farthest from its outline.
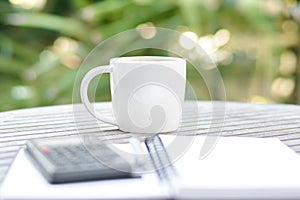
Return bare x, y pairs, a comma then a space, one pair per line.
199, 118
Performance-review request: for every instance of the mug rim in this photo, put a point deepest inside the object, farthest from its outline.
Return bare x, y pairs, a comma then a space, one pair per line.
147, 59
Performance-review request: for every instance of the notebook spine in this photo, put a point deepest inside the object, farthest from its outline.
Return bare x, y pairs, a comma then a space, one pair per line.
160, 159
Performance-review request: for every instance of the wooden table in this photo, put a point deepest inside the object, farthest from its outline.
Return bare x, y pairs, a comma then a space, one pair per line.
240, 119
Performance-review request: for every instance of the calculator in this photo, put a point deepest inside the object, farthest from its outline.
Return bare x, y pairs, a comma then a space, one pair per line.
69, 159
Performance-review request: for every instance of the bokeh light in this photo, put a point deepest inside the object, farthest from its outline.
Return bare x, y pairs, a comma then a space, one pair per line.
29, 4
188, 40
147, 30
282, 87
288, 63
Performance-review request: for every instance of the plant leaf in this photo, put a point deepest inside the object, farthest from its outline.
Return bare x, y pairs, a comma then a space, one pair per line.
67, 26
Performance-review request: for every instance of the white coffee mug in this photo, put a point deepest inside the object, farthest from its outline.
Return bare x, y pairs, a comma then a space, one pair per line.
147, 93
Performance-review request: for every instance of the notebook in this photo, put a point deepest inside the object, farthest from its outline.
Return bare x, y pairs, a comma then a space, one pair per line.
237, 168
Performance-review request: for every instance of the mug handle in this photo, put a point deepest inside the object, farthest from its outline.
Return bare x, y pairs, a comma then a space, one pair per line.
84, 92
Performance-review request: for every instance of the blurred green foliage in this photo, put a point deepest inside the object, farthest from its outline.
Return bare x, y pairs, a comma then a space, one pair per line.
42, 44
